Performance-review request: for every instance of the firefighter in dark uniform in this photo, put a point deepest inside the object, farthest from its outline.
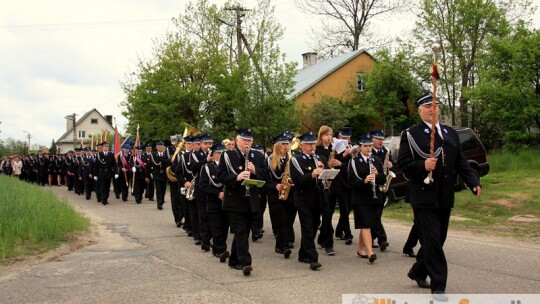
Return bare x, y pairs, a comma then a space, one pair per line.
185, 177
124, 171
104, 170
380, 151
213, 190
176, 207
241, 202
280, 209
432, 200
340, 188
365, 176
87, 166
79, 183
69, 168
149, 191
197, 160
158, 162
305, 170
138, 167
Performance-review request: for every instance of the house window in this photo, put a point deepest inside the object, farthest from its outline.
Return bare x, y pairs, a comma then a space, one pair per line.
93, 121
360, 82
82, 134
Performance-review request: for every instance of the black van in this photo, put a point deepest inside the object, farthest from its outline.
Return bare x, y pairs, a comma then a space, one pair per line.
470, 144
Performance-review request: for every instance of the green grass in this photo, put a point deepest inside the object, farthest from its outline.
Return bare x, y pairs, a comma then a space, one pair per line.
33, 219
511, 188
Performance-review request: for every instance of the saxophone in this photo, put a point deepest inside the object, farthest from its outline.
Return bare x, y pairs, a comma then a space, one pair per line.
190, 192
286, 181
389, 174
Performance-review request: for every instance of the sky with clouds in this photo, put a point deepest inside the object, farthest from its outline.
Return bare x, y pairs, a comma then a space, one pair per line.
60, 57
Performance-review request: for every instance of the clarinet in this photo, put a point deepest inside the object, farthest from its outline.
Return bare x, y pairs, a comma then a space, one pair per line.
325, 187
248, 194
373, 184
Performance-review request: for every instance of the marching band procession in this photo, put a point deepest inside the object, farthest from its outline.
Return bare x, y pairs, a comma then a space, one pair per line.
216, 187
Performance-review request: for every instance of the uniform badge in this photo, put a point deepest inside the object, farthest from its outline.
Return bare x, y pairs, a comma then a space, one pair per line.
213, 176
445, 131
361, 160
426, 131
304, 157
252, 155
240, 168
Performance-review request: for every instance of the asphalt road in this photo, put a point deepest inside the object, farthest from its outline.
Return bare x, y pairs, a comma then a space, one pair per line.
141, 257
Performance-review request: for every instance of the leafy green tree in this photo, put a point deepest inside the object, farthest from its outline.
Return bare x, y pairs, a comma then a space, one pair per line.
196, 78
461, 27
52, 149
508, 96
389, 89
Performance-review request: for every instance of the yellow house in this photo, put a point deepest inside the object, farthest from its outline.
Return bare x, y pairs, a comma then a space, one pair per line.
333, 77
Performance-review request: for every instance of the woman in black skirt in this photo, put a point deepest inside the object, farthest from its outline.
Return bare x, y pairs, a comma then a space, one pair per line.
365, 177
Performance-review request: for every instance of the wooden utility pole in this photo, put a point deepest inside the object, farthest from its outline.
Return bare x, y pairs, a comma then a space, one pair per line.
239, 15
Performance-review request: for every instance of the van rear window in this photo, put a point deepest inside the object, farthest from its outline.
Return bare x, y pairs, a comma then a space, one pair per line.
467, 141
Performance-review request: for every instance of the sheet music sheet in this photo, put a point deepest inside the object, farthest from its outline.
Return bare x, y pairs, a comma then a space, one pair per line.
339, 145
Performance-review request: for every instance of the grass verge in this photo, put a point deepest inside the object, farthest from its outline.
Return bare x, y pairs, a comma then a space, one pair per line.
510, 189
33, 220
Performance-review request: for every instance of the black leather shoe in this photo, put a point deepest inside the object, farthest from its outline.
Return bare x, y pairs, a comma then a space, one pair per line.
105, 203
190, 233
348, 241
138, 201
287, 253
372, 258
224, 256
256, 237
247, 270
329, 251
363, 256
117, 196
278, 250
439, 296
179, 224
304, 260
205, 247
422, 283
160, 207
198, 242
236, 267
411, 253
384, 245
314, 265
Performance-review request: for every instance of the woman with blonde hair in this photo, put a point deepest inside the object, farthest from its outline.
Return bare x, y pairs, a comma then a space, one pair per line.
326, 235
282, 211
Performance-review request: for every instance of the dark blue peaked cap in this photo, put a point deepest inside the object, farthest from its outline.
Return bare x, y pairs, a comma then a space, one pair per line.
377, 134
426, 99
245, 133
345, 131
308, 138
218, 148
365, 140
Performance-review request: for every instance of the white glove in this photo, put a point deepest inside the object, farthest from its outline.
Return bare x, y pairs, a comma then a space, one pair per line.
116, 176
95, 178
133, 169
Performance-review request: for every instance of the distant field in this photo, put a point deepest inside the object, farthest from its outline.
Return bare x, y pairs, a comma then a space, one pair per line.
33, 219
511, 188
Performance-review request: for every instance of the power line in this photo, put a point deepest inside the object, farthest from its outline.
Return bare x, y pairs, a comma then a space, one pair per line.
81, 25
